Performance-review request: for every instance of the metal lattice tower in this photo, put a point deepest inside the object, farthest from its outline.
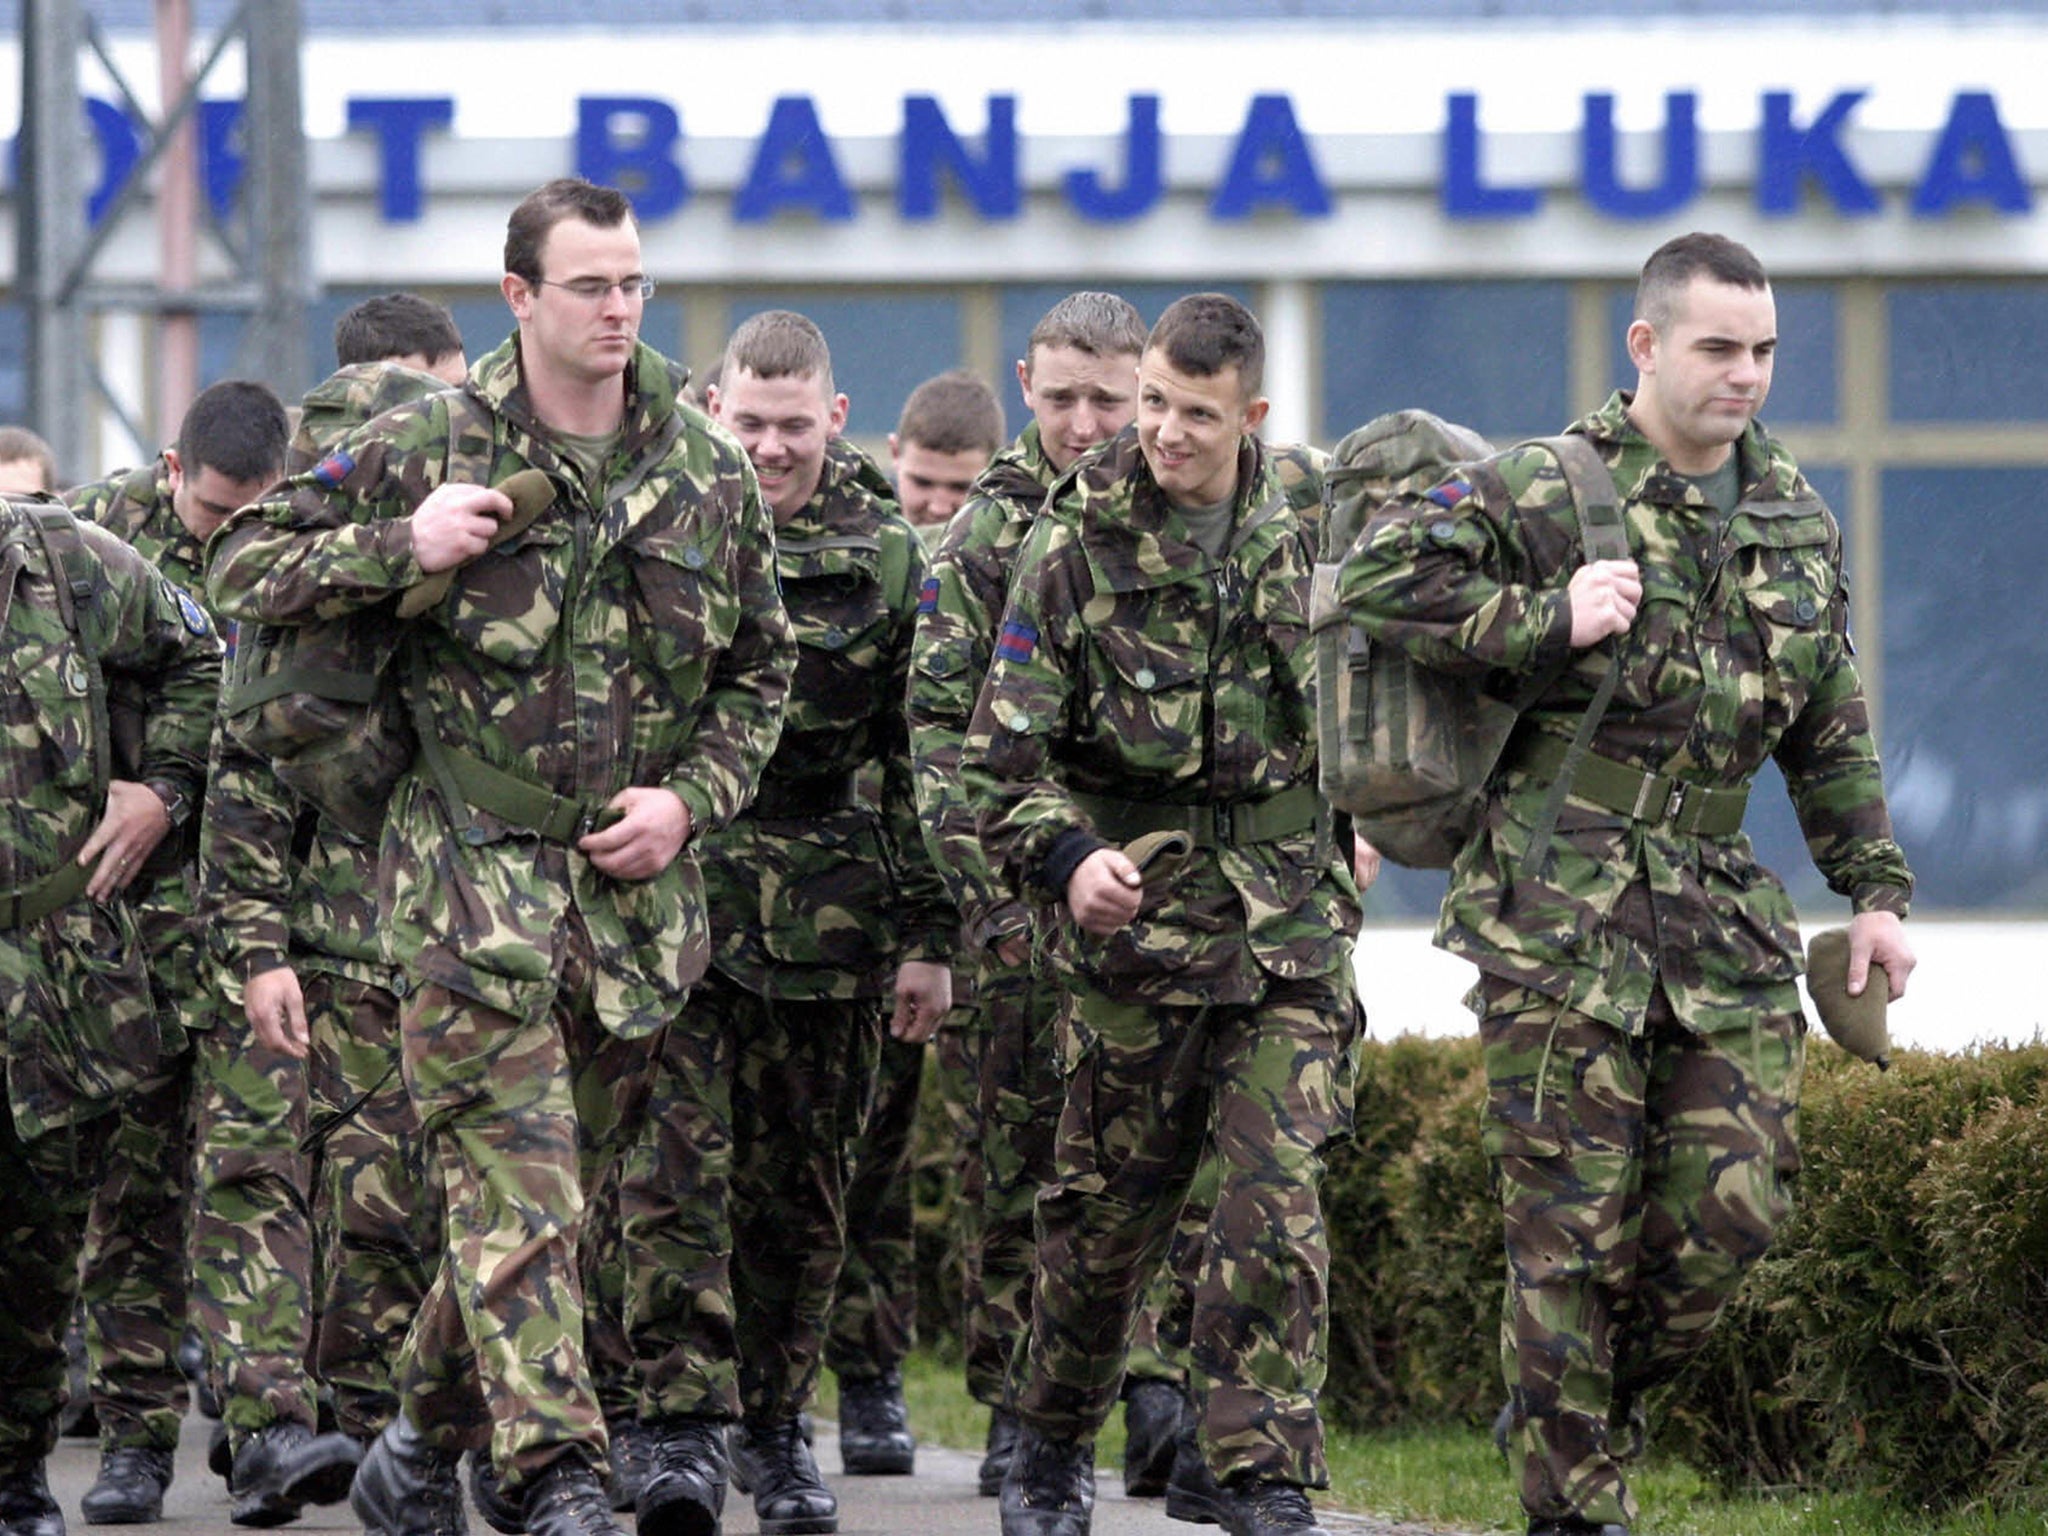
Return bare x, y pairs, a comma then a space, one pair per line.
264, 239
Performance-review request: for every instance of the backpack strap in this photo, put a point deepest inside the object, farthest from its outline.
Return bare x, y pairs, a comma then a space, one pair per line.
1602, 536
71, 578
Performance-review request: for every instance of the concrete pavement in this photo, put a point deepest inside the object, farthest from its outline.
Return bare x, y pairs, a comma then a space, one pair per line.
939, 1501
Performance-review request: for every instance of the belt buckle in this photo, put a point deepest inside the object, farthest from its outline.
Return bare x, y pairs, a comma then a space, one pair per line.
1223, 824
586, 823
1674, 803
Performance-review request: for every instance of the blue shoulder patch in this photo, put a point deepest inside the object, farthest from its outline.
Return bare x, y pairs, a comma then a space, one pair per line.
334, 469
1450, 493
193, 615
1017, 641
928, 595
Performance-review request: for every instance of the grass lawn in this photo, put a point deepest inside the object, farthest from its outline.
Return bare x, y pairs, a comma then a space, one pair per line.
1453, 1479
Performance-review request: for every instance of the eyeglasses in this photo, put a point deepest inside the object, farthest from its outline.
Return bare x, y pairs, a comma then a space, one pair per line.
593, 290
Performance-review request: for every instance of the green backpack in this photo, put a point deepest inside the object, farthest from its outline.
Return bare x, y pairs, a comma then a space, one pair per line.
324, 701
1407, 750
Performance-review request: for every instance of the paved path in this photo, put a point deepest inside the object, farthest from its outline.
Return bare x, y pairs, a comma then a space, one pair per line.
939, 1501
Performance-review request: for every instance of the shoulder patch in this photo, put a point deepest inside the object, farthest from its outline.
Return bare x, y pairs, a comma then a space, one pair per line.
334, 469
928, 595
1450, 493
193, 615
1017, 641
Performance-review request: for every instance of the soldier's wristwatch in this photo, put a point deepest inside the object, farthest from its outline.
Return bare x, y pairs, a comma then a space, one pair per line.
177, 805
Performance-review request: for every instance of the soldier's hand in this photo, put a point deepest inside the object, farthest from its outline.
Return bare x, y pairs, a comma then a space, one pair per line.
1604, 597
1365, 863
276, 1008
134, 824
454, 524
1104, 892
924, 995
652, 827
1879, 938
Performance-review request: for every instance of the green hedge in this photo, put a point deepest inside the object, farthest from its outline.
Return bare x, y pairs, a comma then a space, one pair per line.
1896, 1339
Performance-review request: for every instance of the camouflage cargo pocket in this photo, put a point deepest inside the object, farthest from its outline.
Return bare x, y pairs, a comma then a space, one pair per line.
86, 1029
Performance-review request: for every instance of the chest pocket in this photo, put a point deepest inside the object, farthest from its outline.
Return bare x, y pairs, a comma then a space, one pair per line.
1148, 697
839, 613
46, 693
507, 603
1787, 569
687, 611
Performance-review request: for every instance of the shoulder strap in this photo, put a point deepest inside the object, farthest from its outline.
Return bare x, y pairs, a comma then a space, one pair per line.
1602, 536
70, 577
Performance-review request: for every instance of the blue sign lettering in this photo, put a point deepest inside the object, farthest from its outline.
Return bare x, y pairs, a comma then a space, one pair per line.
1788, 154
399, 122
1973, 161
930, 147
793, 168
1681, 179
1142, 184
1271, 164
1465, 195
629, 142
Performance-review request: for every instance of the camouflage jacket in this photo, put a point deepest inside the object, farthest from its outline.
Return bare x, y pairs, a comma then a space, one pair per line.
81, 1026
135, 506
814, 892
347, 398
641, 642
1130, 666
1740, 652
280, 884
958, 613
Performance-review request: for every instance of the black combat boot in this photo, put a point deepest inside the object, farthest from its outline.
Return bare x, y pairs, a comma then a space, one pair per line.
220, 1451
283, 1467
684, 1491
1192, 1492
874, 1427
504, 1515
1003, 1430
26, 1508
632, 1451
130, 1487
406, 1487
1051, 1487
568, 1499
773, 1464
1253, 1507
1572, 1525
1152, 1415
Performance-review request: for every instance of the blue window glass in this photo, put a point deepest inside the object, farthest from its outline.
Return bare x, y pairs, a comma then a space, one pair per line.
1965, 720
1803, 384
13, 363
883, 345
220, 348
1023, 305
1489, 354
1969, 351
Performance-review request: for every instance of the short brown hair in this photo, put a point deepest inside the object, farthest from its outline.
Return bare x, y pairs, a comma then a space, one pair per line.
566, 197
953, 412
1099, 324
395, 325
1205, 333
18, 443
1674, 264
778, 344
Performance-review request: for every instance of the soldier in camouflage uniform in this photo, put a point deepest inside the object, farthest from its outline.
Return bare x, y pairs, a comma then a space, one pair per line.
592, 695
26, 463
289, 893
1151, 678
1079, 379
950, 427
822, 909
94, 633
230, 448
1642, 1033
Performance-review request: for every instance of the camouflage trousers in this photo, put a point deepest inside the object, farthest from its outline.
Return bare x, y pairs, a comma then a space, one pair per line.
1640, 1177
734, 1205
377, 1220
874, 1306
132, 1273
1152, 1095
521, 1121
46, 1191
252, 1235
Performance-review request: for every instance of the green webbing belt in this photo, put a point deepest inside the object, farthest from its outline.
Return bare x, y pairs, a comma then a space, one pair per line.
57, 889
1636, 792
558, 818
1231, 825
